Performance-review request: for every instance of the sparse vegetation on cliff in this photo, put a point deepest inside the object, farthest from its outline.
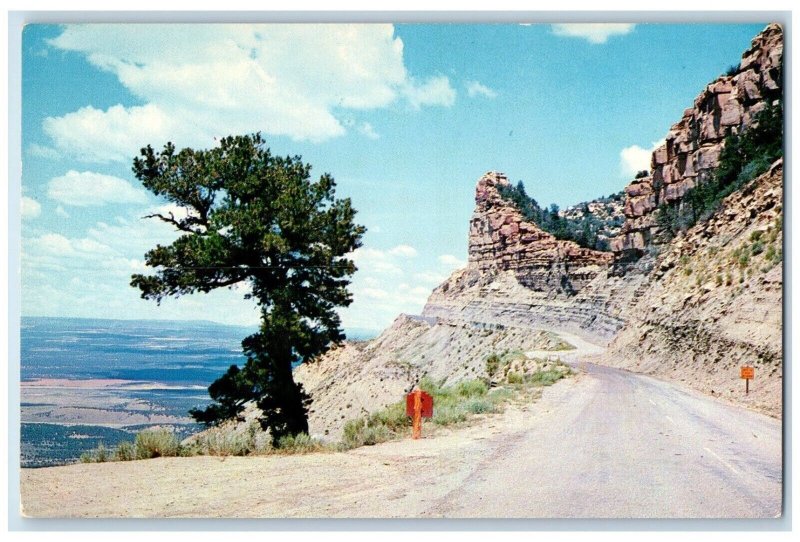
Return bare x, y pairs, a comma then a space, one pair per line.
744, 157
579, 224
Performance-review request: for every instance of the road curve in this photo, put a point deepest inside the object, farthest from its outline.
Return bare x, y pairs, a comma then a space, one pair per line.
623, 445
604, 444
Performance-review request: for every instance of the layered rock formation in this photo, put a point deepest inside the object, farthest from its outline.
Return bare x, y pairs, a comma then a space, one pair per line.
501, 240
713, 302
692, 147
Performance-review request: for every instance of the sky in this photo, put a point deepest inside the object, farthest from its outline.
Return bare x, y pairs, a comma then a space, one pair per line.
405, 117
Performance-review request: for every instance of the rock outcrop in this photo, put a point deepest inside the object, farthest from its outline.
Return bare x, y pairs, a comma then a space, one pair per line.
692, 147
713, 302
501, 240
518, 275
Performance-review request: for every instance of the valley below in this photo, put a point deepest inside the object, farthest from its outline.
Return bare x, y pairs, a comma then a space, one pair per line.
606, 443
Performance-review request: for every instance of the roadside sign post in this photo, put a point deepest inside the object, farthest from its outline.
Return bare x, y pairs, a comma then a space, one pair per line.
747, 373
418, 405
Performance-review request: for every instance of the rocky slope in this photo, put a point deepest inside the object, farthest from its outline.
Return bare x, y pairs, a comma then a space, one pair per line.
692, 147
359, 378
713, 302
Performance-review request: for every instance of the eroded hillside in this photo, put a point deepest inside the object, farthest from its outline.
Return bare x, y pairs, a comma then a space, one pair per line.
714, 302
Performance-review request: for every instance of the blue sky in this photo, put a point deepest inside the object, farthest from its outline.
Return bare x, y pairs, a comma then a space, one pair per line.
406, 118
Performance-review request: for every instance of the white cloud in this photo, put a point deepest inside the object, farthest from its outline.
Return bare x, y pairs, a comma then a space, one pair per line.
115, 134
592, 32
451, 261
634, 159
30, 208
87, 188
40, 151
367, 130
434, 91
374, 293
198, 82
474, 88
54, 244
61, 212
404, 251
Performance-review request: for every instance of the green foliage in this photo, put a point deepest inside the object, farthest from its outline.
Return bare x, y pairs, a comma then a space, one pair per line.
583, 231
100, 454
221, 441
256, 219
744, 157
492, 364
546, 377
125, 451
360, 432
732, 70
299, 444
152, 443
641, 174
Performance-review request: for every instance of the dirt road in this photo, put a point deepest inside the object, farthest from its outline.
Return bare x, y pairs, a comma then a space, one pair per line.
606, 443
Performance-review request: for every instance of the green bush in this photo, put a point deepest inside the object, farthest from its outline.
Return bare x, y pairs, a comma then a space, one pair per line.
359, 432
492, 365
546, 378
222, 441
471, 388
449, 414
98, 455
126, 451
480, 406
299, 444
152, 443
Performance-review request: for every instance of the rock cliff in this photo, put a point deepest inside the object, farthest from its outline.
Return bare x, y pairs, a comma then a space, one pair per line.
518, 275
705, 303
692, 147
501, 240
713, 302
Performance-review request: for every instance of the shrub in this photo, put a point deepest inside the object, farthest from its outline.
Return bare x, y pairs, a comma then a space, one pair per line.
98, 455
480, 406
449, 414
359, 433
299, 444
492, 365
471, 388
126, 451
547, 377
641, 174
152, 443
223, 441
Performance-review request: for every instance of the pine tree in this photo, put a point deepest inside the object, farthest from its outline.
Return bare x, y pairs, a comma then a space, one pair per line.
256, 219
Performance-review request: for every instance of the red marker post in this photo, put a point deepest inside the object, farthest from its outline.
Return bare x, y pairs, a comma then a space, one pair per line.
418, 405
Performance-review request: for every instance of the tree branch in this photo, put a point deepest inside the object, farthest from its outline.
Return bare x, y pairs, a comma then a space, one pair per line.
181, 225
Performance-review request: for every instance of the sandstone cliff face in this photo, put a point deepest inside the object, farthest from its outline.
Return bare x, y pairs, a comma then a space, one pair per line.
713, 302
501, 240
518, 275
693, 145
